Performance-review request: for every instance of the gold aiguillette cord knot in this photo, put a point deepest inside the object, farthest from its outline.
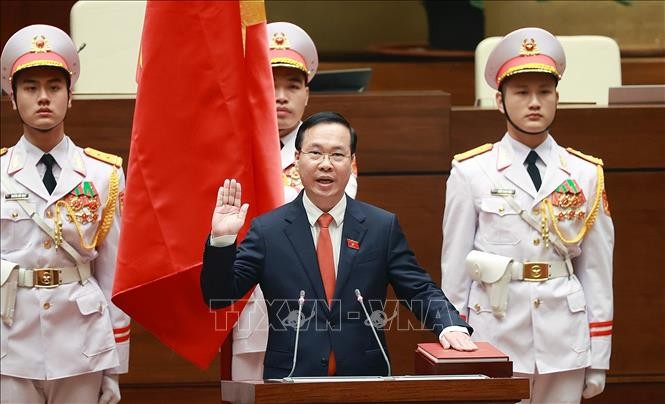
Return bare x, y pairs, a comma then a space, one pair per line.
105, 223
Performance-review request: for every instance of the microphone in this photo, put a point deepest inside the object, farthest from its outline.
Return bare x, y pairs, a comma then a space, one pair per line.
301, 301
371, 324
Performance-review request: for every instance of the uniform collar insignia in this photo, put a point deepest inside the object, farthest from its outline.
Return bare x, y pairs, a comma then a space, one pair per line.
504, 157
77, 162
17, 160
563, 163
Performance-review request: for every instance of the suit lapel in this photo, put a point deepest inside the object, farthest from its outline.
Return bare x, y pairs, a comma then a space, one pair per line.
300, 236
354, 230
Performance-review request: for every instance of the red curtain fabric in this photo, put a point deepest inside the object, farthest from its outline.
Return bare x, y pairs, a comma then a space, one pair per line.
204, 112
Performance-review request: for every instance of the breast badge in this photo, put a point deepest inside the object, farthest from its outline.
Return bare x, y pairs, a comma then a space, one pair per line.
84, 202
291, 178
568, 198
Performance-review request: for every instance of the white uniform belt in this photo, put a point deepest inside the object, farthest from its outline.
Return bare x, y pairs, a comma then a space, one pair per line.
538, 271
47, 277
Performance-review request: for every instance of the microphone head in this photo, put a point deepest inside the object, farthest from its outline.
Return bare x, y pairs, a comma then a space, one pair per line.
358, 295
301, 299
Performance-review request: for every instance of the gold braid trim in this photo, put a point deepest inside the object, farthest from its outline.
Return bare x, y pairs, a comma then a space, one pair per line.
41, 62
109, 208
289, 62
529, 68
107, 216
590, 219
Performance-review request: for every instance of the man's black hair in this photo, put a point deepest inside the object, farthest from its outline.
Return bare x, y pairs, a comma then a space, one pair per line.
326, 117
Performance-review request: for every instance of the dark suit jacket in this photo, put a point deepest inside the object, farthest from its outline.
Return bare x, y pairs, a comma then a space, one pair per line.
279, 254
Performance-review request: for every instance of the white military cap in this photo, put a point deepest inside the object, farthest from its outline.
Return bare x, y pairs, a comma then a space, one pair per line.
290, 46
38, 45
523, 51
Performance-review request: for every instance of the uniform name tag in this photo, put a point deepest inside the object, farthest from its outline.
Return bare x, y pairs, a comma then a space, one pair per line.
502, 191
17, 196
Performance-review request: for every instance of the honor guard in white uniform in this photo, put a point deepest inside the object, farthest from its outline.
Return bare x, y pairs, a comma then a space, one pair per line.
63, 340
528, 238
294, 61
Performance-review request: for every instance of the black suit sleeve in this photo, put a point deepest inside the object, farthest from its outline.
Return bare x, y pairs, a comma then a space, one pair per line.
229, 273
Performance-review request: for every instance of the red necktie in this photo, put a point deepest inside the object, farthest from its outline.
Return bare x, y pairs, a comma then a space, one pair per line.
324, 254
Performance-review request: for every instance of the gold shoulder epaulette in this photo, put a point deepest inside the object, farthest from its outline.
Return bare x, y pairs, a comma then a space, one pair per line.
3, 151
105, 157
474, 152
591, 159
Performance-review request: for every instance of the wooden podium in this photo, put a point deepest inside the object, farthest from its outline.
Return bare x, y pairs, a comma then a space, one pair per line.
401, 389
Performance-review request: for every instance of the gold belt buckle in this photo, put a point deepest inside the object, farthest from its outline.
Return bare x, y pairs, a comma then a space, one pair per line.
536, 271
46, 278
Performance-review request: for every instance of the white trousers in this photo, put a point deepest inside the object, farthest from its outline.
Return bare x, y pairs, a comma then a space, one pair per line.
555, 388
81, 389
247, 366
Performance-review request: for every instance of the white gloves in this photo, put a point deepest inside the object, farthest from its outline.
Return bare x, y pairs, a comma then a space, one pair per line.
110, 390
594, 382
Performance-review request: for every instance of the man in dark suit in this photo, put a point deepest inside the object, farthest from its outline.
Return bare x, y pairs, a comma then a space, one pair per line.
327, 245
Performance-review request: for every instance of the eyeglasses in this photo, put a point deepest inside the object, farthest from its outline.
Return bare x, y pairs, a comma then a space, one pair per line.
317, 156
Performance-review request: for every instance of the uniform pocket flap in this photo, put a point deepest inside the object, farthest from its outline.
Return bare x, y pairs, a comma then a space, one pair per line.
497, 206
254, 318
11, 210
577, 301
91, 303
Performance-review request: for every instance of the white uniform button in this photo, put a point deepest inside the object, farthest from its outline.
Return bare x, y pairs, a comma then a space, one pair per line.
49, 213
476, 307
47, 243
47, 306
14, 215
537, 302
536, 241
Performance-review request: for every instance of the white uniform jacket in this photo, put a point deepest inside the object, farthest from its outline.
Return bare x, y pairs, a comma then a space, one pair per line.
556, 325
73, 328
251, 332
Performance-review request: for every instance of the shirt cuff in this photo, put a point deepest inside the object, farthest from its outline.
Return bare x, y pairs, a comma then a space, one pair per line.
223, 241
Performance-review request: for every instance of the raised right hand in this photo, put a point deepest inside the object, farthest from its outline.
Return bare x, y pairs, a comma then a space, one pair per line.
228, 216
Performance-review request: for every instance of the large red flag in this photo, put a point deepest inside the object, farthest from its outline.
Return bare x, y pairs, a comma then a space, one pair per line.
204, 112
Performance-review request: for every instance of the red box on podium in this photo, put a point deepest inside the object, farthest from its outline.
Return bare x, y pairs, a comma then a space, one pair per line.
432, 359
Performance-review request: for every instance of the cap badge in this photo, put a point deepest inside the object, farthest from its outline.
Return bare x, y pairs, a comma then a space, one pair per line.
279, 41
40, 44
529, 47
